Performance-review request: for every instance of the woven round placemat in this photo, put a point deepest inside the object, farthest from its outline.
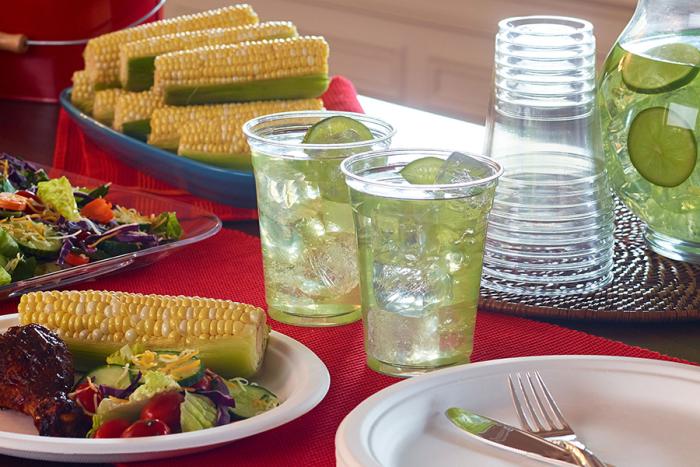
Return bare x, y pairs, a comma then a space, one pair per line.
646, 286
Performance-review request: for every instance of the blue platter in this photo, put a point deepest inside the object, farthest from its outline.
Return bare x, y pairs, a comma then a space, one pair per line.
231, 187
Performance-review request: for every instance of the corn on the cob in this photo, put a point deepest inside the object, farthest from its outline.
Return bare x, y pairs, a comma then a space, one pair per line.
103, 105
83, 93
230, 337
292, 68
136, 58
220, 140
102, 53
132, 113
168, 122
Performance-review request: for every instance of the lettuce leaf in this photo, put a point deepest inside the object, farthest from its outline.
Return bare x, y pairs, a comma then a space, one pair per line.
197, 413
167, 226
154, 382
58, 195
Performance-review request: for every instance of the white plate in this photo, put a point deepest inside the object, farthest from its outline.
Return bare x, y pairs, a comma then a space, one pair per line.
631, 412
290, 370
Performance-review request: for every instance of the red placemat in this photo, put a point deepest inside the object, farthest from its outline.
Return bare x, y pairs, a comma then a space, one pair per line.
229, 266
76, 153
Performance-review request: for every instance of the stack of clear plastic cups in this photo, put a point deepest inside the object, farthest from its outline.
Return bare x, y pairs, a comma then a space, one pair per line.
551, 227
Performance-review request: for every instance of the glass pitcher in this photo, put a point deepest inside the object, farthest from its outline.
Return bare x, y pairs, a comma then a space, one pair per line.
648, 109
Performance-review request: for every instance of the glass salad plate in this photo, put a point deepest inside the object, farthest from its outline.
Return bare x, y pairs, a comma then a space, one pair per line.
197, 224
226, 186
290, 370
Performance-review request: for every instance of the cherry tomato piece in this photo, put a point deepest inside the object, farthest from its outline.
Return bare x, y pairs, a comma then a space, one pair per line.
164, 407
88, 397
146, 428
27, 194
112, 428
76, 259
98, 210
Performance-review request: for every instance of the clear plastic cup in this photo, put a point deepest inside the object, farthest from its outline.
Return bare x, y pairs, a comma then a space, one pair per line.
306, 228
551, 227
420, 257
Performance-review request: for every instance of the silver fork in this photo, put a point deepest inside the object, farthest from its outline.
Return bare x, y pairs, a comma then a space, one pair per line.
541, 416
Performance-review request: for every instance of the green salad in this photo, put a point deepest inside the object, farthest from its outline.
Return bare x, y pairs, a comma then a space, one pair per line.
47, 224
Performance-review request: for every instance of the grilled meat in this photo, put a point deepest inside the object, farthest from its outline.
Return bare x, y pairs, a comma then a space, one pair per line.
36, 374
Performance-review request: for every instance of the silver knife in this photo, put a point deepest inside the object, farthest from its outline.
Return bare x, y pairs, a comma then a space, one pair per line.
510, 438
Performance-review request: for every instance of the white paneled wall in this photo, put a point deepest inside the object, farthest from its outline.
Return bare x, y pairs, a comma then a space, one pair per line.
435, 54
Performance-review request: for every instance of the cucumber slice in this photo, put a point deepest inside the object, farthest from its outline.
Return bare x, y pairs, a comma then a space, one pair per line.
251, 399
114, 376
674, 65
338, 129
662, 152
422, 171
114, 248
25, 269
34, 238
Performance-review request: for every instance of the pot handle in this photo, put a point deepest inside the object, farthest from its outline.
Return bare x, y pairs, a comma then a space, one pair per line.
16, 43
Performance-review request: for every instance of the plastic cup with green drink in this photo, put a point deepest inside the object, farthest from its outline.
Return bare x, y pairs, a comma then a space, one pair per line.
421, 219
306, 228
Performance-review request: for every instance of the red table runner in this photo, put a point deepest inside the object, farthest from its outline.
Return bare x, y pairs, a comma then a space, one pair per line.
76, 153
229, 266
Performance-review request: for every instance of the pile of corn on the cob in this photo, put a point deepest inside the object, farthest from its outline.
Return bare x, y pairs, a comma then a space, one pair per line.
188, 84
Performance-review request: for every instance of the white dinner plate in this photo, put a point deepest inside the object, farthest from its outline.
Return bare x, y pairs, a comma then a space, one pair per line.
630, 412
290, 370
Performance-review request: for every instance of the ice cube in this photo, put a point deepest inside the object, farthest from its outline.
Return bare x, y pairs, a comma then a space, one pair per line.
329, 265
460, 168
411, 289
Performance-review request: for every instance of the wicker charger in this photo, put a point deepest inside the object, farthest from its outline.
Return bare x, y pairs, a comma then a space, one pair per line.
646, 286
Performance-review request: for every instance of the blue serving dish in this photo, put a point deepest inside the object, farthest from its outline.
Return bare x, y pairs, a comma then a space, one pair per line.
225, 186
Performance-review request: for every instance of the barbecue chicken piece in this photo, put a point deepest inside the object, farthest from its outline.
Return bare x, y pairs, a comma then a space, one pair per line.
36, 375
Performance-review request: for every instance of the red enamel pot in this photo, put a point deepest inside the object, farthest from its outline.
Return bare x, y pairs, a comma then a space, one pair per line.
42, 41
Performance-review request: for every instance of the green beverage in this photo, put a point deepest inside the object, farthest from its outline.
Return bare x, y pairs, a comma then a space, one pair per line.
649, 97
421, 226
306, 227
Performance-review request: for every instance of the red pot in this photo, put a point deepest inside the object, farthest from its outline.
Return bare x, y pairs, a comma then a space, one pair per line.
56, 33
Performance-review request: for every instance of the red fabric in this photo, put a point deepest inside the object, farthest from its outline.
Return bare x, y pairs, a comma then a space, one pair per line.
229, 266
76, 153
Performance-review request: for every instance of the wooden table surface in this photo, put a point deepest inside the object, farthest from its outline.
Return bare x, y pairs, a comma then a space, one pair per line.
28, 129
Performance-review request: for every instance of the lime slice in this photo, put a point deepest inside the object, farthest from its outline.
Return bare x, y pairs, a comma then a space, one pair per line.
325, 170
422, 171
673, 66
661, 150
337, 130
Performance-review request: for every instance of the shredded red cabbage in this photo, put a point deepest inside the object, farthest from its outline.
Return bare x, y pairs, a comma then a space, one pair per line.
106, 391
63, 252
219, 394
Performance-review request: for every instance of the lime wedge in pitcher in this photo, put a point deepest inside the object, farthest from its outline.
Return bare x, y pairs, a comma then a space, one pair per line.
661, 147
665, 68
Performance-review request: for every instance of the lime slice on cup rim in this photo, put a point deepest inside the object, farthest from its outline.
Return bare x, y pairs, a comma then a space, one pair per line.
337, 129
325, 169
674, 65
422, 171
458, 167
663, 153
